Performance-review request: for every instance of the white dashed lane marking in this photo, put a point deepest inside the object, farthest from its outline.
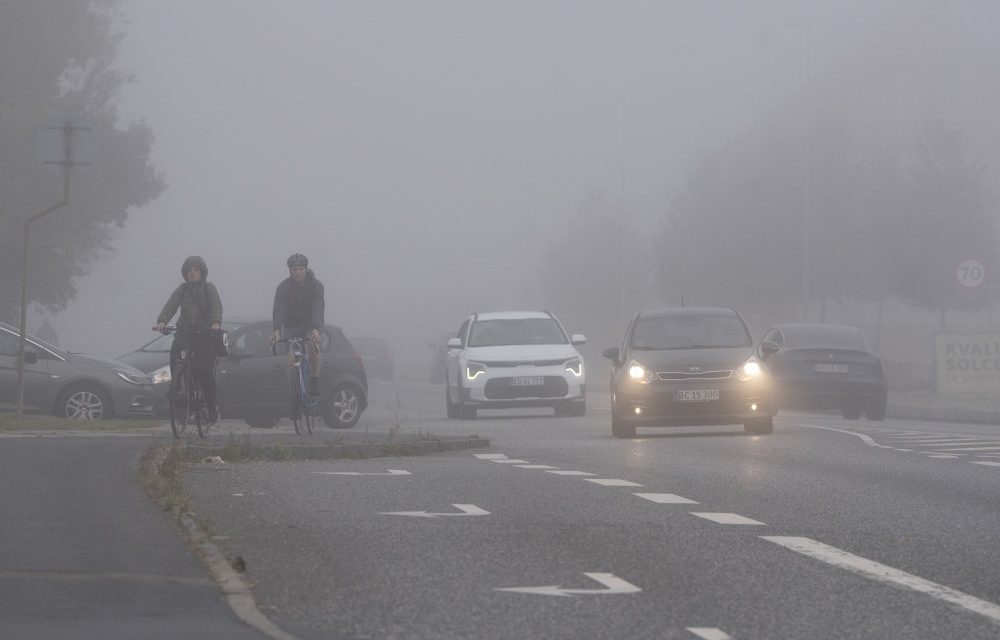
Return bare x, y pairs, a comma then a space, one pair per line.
665, 498
613, 482
985, 463
490, 456
509, 461
534, 466
710, 633
727, 518
571, 473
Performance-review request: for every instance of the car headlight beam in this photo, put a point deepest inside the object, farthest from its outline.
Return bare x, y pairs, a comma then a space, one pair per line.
639, 373
750, 370
575, 366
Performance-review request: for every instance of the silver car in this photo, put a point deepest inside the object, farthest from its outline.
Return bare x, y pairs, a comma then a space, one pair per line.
71, 385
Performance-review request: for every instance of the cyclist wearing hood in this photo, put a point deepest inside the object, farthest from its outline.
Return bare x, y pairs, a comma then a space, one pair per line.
298, 309
200, 309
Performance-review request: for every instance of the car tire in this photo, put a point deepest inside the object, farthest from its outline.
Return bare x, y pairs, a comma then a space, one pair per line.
259, 422
759, 426
620, 428
451, 408
84, 401
876, 412
342, 408
464, 411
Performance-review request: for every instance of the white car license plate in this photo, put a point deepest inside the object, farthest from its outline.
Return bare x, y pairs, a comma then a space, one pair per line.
527, 381
696, 395
825, 367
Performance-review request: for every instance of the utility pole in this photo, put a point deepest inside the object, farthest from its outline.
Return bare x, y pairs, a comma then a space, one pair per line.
66, 162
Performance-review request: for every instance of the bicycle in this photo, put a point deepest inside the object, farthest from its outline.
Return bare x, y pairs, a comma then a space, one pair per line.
187, 403
304, 405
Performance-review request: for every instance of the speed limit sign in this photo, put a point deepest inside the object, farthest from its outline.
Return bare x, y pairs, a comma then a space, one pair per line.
970, 273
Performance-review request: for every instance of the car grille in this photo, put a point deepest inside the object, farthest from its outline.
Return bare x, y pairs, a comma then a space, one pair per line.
675, 376
502, 389
530, 363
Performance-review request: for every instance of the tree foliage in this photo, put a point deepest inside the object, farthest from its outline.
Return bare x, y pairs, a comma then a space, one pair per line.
57, 62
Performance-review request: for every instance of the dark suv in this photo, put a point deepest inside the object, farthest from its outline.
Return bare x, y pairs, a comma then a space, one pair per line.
253, 382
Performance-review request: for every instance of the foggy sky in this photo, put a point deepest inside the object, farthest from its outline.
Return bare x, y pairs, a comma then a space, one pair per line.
422, 154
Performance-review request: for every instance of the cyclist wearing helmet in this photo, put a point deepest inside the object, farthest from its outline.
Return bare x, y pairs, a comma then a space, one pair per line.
201, 308
298, 311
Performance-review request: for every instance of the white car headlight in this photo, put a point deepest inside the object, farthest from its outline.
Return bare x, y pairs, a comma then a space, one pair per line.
639, 373
473, 369
575, 366
751, 370
161, 375
131, 377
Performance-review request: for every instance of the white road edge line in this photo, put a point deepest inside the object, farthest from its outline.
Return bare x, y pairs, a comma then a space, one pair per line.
867, 439
883, 573
710, 633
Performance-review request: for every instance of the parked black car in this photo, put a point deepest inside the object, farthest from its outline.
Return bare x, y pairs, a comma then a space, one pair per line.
253, 382
71, 385
825, 367
688, 366
377, 356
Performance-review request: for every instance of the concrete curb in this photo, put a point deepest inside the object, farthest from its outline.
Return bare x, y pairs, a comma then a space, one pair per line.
974, 415
285, 451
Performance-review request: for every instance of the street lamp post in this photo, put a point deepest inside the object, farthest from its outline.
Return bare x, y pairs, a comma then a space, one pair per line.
66, 162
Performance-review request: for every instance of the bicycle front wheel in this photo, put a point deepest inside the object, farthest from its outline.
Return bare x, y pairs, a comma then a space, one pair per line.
298, 419
309, 416
177, 398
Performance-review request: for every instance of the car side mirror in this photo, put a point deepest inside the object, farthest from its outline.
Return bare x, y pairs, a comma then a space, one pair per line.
30, 357
768, 348
454, 343
578, 338
613, 354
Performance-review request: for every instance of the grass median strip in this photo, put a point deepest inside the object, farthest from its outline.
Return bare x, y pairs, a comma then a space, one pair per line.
10, 423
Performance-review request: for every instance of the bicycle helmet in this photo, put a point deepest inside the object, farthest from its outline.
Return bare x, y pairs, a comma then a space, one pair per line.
195, 261
297, 260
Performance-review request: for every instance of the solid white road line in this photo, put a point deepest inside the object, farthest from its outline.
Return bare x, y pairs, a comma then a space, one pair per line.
950, 449
613, 482
727, 518
943, 456
985, 463
866, 439
882, 573
710, 633
665, 498
490, 456
571, 473
510, 461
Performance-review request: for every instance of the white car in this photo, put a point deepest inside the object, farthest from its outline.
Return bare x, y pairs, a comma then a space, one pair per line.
506, 359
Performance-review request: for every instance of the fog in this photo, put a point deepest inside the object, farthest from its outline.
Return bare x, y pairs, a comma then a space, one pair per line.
424, 154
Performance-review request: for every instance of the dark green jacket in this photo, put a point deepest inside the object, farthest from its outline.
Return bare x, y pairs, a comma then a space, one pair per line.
199, 308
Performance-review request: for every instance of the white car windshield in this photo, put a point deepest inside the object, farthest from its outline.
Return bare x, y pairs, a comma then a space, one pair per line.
500, 332
690, 332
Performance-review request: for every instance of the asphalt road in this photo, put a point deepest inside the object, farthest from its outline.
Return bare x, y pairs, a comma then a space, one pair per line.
826, 529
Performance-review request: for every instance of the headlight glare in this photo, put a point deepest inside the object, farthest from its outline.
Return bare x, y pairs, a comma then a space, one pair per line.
639, 373
751, 370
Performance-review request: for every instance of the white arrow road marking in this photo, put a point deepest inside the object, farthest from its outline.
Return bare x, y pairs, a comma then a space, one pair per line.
710, 633
726, 518
466, 510
613, 585
882, 573
391, 472
665, 498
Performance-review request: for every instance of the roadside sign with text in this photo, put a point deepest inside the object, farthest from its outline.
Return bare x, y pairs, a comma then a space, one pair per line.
967, 362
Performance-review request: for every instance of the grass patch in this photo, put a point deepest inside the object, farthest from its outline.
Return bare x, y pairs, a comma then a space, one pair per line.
10, 422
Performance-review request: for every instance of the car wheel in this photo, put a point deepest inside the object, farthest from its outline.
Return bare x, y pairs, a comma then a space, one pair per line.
84, 402
620, 428
259, 422
464, 411
759, 426
877, 410
342, 408
851, 413
451, 408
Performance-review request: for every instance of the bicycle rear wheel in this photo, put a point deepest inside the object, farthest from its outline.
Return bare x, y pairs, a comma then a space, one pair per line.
178, 399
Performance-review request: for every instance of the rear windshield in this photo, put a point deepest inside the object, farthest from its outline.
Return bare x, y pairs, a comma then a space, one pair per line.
690, 332
495, 333
825, 337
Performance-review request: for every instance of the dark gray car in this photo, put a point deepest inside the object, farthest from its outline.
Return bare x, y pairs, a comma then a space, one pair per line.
253, 383
72, 385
